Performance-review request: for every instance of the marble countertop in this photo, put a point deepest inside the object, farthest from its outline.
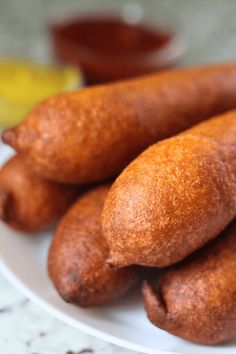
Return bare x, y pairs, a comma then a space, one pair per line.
26, 329
207, 27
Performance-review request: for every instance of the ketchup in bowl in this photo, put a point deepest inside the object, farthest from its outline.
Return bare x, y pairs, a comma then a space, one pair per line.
107, 48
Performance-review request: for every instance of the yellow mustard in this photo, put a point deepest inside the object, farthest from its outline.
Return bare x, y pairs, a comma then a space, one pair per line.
24, 83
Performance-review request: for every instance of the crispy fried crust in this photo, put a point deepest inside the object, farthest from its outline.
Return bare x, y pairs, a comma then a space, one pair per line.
28, 202
92, 134
174, 197
76, 260
196, 299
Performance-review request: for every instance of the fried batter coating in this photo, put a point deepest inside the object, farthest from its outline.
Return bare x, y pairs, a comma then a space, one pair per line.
91, 135
28, 202
175, 197
76, 260
196, 299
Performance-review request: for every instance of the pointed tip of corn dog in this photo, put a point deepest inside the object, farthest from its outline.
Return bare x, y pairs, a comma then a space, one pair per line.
9, 136
114, 261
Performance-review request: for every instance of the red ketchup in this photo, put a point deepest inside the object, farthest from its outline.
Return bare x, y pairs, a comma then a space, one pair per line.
108, 48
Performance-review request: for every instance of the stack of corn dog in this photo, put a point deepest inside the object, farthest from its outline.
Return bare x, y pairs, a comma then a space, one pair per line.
138, 174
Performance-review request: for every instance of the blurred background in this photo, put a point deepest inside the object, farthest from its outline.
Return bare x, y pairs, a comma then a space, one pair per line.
208, 27
94, 41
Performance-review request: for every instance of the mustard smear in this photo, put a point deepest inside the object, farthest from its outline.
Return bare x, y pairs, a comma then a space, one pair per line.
23, 84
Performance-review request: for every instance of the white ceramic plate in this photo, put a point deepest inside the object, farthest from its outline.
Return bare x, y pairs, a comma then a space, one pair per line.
23, 262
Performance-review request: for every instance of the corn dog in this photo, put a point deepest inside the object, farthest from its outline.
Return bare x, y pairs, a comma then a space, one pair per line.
195, 299
92, 134
173, 198
76, 260
30, 203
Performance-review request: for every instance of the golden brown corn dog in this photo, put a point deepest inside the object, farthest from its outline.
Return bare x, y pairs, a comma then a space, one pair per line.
173, 198
76, 260
196, 299
30, 203
92, 134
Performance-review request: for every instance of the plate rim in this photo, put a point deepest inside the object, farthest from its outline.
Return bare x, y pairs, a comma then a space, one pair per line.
59, 315
23, 287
